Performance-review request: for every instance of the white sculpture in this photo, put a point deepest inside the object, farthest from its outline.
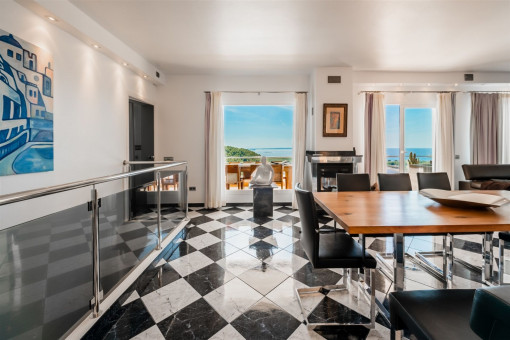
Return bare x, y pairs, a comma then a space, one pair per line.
263, 175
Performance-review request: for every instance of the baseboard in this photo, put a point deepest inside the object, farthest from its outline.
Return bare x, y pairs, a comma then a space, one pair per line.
230, 204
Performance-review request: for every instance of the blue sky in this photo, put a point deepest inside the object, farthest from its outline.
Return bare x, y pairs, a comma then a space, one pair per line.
258, 126
418, 127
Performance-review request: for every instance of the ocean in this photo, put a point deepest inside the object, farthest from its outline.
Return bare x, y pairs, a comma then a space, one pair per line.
424, 154
273, 152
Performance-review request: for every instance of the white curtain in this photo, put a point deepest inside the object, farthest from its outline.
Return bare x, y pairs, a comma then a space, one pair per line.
443, 143
215, 192
299, 143
504, 129
375, 135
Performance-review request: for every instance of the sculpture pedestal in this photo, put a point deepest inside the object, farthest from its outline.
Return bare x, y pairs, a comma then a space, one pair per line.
262, 200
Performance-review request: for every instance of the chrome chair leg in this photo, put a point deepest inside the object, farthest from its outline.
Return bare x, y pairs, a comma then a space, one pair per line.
501, 261
371, 281
488, 257
344, 286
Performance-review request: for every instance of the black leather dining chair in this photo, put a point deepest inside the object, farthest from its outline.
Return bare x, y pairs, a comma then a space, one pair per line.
433, 180
394, 182
353, 182
453, 314
331, 250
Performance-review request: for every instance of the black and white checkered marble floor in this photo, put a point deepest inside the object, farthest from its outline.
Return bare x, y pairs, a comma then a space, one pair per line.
231, 276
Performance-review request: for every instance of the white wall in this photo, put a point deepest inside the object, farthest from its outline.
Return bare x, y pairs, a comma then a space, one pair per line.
336, 94
91, 94
180, 118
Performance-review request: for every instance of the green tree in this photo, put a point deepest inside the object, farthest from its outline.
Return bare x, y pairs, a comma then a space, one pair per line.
239, 153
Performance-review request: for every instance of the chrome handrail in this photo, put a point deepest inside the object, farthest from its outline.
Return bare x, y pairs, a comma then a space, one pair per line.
34, 193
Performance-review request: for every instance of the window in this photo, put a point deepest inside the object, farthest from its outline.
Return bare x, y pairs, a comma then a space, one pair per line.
10, 53
18, 56
46, 86
409, 139
4, 79
22, 77
252, 131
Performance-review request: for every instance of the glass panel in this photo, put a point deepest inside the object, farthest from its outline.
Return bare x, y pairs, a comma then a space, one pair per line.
129, 233
418, 141
46, 274
393, 138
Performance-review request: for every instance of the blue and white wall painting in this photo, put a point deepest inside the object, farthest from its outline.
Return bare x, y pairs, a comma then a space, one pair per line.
26, 107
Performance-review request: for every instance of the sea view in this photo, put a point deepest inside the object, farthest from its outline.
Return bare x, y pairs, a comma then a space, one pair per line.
273, 152
424, 154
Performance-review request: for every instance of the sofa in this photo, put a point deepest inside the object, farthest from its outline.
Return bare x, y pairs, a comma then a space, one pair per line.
485, 177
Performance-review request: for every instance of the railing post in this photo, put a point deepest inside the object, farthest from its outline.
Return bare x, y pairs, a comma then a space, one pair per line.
158, 185
185, 193
95, 253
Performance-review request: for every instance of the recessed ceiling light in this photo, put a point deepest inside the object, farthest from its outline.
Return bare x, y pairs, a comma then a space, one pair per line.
145, 76
51, 18
125, 64
456, 84
96, 46
428, 84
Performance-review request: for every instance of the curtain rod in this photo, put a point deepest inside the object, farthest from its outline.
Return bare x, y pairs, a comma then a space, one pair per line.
487, 92
360, 92
259, 92
408, 92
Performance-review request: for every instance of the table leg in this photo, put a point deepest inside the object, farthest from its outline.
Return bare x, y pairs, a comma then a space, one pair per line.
398, 262
487, 258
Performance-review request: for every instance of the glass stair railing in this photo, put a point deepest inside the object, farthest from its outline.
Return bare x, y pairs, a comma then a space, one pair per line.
57, 270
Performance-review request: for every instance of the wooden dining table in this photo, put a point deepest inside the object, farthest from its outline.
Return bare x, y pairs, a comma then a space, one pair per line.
400, 213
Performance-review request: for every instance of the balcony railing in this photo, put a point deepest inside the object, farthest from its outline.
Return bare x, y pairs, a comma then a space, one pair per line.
238, 171
393, 163
57, 270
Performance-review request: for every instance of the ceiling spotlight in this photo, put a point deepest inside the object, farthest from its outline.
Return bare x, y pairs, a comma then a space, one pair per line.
456, 84
145, 76
51, 18
125, 64
96, 46
428, 84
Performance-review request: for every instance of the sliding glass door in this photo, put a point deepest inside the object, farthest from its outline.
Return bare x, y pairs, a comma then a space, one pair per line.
409, 135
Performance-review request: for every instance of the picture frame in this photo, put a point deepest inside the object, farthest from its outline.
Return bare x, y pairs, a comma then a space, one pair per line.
334, 120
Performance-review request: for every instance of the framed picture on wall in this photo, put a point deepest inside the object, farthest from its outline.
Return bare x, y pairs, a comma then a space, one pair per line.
334, 120
26, 107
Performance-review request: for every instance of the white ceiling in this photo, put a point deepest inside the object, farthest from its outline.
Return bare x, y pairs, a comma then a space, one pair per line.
284, 37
